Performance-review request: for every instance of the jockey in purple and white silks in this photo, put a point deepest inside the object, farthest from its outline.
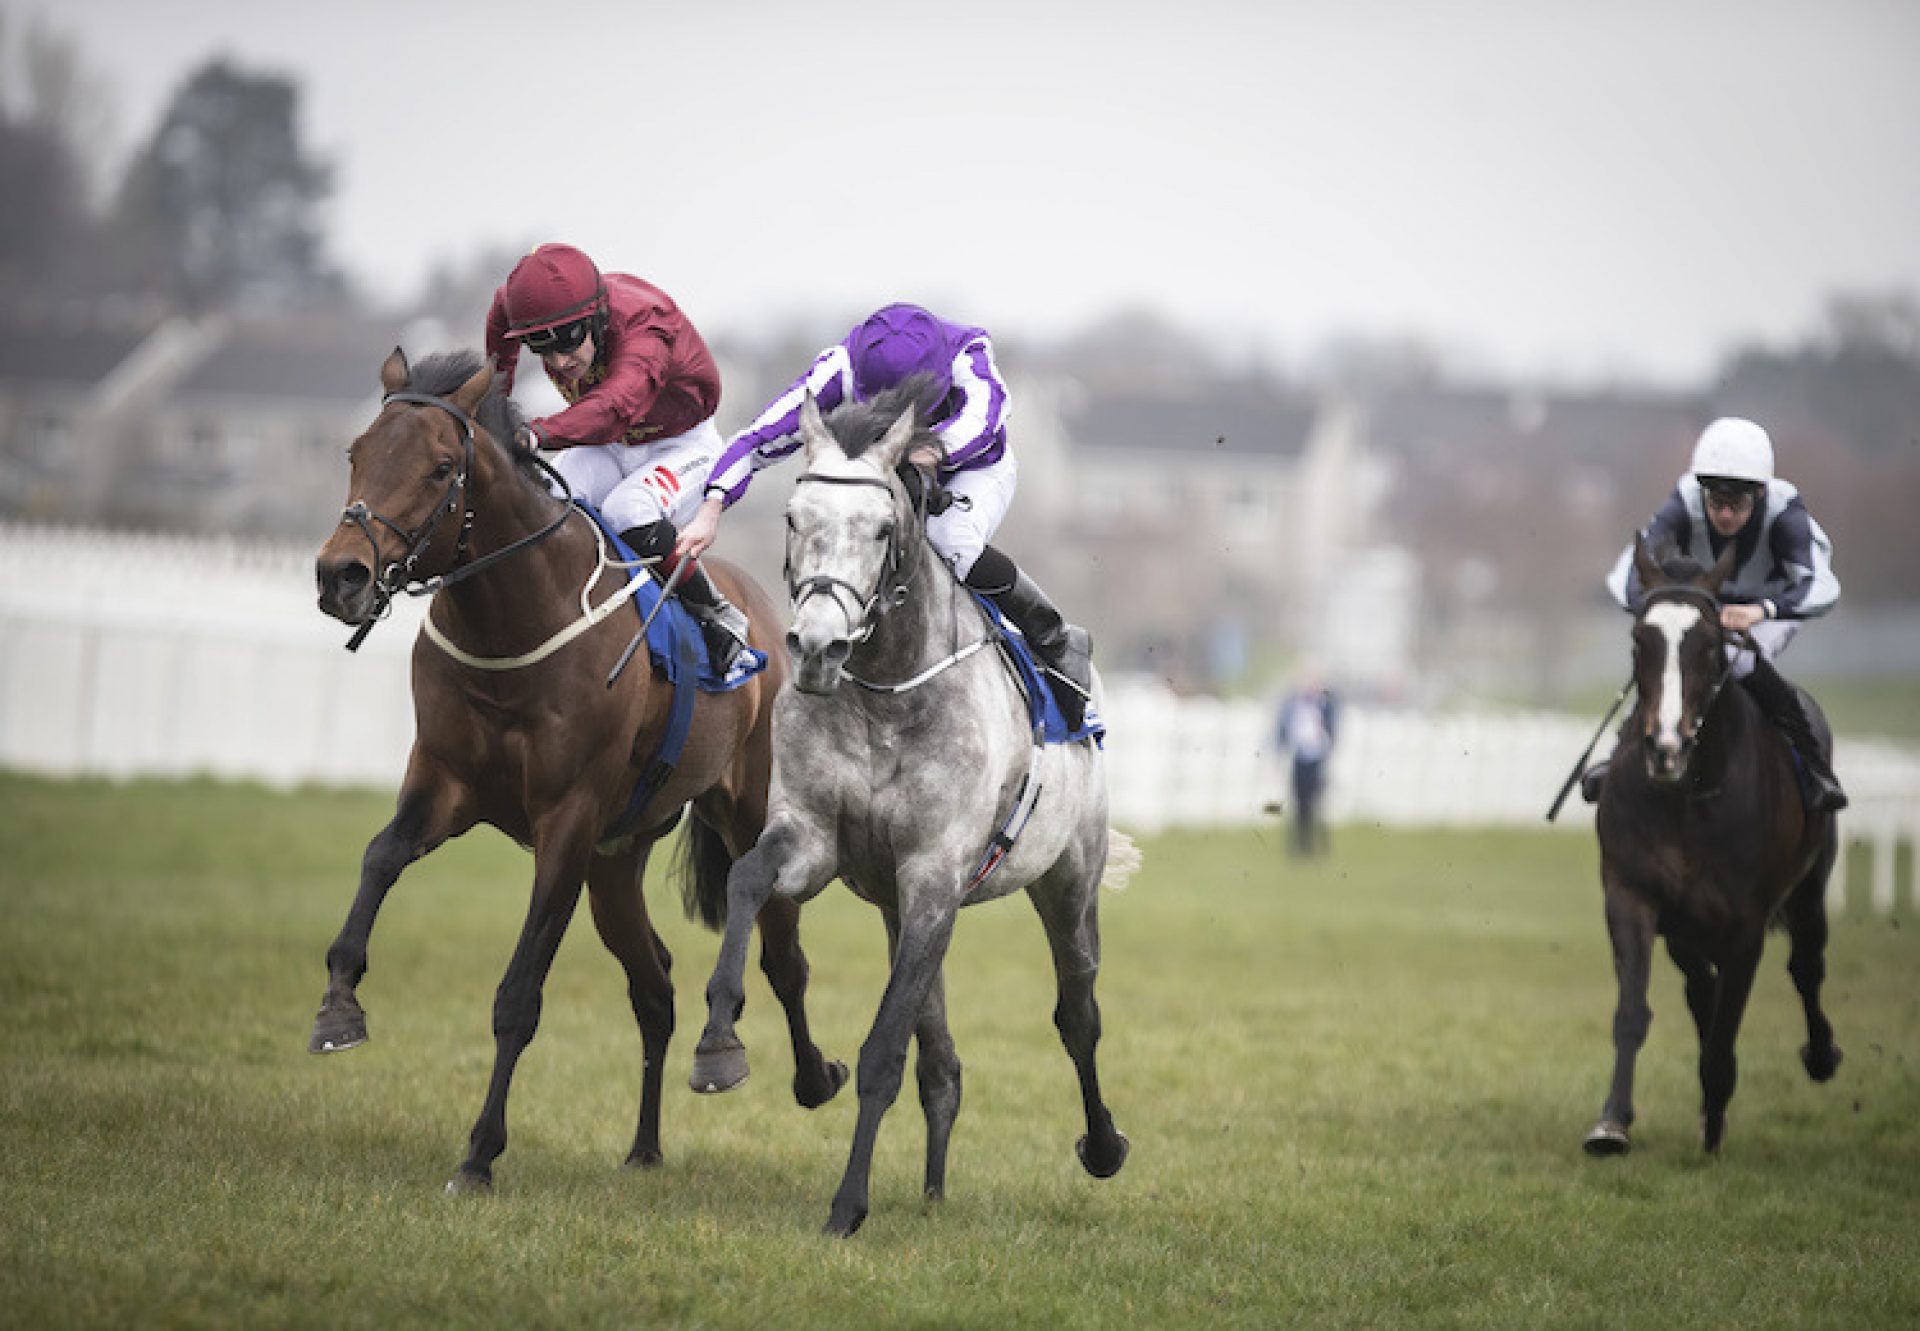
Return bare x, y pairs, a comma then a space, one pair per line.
976, 466
1782, 574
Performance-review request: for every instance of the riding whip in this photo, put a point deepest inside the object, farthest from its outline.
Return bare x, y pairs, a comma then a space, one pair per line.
673, 580
1580, 765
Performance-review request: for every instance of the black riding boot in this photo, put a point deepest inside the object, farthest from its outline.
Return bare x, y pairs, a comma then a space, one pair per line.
1066, 650
722, 624
1592, 780
1782, 703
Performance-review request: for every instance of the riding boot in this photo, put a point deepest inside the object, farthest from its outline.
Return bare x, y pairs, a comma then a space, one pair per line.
1066, 650
1592, 780
1782, 703
722, 622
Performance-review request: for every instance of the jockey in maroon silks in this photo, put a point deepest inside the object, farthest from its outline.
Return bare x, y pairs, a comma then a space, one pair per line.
637, 435
976, 467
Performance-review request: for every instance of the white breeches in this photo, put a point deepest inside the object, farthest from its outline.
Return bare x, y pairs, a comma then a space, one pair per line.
1770, 637
981, 498
635, 484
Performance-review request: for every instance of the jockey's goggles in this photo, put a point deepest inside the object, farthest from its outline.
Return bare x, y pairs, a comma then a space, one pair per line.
558, 341
1729, 494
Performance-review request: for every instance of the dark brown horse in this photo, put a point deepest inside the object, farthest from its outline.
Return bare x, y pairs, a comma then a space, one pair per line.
1704, 840
516, 727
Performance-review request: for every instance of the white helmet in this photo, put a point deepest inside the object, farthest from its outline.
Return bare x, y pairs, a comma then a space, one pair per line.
1734, 449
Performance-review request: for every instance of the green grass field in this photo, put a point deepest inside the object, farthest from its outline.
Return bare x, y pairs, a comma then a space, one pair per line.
1356, 1093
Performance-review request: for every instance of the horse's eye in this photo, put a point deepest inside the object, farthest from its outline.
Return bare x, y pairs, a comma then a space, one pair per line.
886, 531
444, 470
790, 526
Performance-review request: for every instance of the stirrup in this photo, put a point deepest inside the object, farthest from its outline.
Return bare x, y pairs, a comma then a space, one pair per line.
724, 626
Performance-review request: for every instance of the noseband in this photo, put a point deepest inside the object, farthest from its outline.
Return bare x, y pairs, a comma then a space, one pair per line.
860, 624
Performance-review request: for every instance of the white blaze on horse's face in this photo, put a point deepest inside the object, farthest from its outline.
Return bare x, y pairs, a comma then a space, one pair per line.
1669, 730
840, 534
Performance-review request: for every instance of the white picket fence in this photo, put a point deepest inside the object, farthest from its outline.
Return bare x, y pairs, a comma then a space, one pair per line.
143, 656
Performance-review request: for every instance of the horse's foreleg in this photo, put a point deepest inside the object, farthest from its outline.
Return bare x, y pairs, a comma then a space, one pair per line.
560, 867
1806, 914
1630, 923
797, 865
816, 1078
924, 935
1072, 922
420, 823
937, 1069
620, 914
1718, 1068
1701, 984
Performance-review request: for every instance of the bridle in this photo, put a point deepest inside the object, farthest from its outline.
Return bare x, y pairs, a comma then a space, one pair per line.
393, 576
1709, 607
889, 588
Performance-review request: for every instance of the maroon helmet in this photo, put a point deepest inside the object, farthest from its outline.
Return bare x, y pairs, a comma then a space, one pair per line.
552, 287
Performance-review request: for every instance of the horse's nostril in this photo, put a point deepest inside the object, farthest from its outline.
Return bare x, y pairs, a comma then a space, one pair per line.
838, 651
345, 579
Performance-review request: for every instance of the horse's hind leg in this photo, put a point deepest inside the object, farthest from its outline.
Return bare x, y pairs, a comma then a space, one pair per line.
1072, 922
620, 914
936, 1069
816, 1078
422, 821
1630, 924
1806, 914
1719, 1069
924, 936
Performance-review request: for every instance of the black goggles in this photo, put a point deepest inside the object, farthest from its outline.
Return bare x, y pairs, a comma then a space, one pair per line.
1730, 494
558, 341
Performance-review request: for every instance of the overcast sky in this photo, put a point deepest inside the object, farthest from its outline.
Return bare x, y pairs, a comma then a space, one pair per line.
1570, 189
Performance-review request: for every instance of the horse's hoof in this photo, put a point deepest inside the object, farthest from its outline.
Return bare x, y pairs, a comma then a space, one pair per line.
1713, 1130
840, 1226
649, 1159
808, 1090
1607, 1138
717, 1070
1104, 1167
468, 1184
336, 1027
1821, 1069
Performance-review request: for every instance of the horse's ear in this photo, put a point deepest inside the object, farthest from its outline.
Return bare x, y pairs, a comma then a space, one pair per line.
1722, 570
395, 373
893, 444
467, 396
813, 428
1651, 575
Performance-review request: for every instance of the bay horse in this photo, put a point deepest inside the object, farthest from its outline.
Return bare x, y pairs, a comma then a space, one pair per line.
1704, 840
517, 727
920, 784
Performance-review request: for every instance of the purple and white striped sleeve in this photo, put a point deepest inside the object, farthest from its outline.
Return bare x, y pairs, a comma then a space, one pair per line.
975, 428
775, 432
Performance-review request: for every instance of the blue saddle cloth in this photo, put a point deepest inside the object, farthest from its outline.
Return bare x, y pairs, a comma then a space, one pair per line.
675, 624
1042, 710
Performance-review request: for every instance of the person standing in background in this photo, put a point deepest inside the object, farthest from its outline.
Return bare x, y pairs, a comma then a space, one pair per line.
1306, 727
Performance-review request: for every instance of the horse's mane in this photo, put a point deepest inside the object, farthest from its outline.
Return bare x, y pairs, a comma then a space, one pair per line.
500, 416
858, 426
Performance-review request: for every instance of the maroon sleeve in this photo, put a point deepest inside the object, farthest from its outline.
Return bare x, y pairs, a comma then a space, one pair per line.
637, 361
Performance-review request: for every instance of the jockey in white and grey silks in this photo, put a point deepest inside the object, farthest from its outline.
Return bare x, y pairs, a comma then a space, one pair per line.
968, 410
1782, 576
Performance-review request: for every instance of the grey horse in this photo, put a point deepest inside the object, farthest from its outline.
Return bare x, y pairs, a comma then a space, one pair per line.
907, 786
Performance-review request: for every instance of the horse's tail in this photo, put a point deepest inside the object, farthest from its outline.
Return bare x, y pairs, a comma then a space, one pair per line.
702, 864
1123, 860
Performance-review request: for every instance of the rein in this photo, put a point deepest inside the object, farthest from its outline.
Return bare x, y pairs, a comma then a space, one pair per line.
393, 576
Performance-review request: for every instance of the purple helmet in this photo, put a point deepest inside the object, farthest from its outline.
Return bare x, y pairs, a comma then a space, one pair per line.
893, 343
